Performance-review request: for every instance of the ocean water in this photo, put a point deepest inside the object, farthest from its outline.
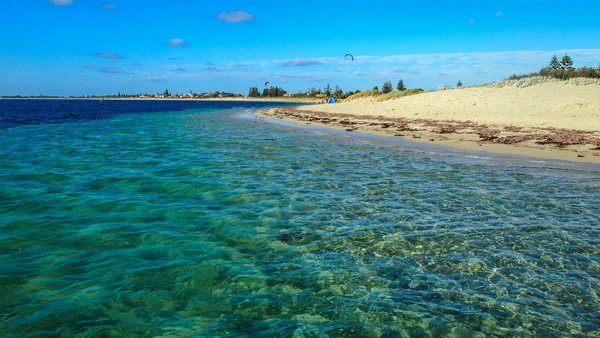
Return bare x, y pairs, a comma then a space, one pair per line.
195, 219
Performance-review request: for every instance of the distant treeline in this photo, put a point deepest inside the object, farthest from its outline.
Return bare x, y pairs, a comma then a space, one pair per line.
267, 92
563, 70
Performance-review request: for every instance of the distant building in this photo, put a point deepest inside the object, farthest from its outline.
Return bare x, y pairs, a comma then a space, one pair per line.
320, 95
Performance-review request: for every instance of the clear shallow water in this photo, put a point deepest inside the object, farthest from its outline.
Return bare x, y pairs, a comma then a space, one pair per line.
194, 222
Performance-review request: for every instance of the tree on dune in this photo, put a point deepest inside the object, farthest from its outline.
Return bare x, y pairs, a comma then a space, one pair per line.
459, 84
566, 62
400, 86
387, 87
554, 64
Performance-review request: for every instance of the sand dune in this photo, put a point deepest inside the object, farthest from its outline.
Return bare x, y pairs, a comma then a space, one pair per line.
557, 105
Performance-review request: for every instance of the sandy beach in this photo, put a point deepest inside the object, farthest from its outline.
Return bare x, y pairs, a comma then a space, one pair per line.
554, 120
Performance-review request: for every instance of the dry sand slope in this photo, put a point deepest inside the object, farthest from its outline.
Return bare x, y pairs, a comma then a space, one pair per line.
555, 105
555, 119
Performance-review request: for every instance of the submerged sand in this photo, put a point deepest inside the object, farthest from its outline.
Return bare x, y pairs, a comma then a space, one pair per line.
555, 120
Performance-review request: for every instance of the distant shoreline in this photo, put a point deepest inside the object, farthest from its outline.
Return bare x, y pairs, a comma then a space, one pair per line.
246, 99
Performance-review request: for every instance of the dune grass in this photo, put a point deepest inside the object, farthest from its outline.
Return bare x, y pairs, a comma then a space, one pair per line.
395, 95
383, 97
360, 95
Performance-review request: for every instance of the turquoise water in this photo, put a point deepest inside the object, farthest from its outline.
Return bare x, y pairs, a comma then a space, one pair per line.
204, 223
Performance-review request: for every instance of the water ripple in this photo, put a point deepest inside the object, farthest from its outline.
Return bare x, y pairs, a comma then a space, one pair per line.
198, 223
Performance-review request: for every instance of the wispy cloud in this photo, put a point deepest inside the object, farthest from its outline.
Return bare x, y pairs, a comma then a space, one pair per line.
498, 14
106, 55
417, 70
178, 42
108, 6
235, 17
136, 64
108, 70
302, 77
61, 2
471, 21
406, 71
298, 62
155, 80
174, 59
180, 70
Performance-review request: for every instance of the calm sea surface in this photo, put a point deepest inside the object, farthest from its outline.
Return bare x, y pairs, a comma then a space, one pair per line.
194, 219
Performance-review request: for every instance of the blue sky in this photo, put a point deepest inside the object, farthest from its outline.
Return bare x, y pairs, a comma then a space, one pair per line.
75, 47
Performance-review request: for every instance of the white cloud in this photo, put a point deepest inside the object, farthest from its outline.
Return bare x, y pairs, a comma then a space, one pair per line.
108, 70
235, 17
298, 62
178, 42
61, 2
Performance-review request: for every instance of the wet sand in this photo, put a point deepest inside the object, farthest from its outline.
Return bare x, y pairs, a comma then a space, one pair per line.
542, 142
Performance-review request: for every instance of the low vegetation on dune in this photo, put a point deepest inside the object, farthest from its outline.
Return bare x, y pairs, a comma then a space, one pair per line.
536, 80
387, 92
360, 95
562, 70
395, 95
557, 71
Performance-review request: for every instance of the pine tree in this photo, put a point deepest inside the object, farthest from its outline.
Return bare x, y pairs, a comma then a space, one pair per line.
387, 87
459, 84
566, 62
338, 92
327, 90
375, 89
253, 92
554, 64
400, 85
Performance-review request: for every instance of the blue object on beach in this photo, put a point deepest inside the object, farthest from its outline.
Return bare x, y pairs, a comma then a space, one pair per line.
331, 100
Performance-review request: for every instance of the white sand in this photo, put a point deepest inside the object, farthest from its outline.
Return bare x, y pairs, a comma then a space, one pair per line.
558, 104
